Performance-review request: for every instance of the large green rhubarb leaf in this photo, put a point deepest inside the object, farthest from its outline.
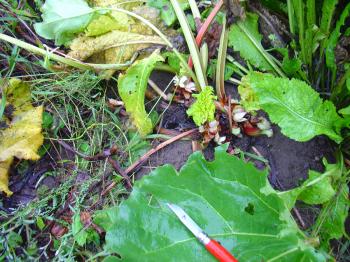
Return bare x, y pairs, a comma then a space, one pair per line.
63, 19
230, 199
294, 106
132, 87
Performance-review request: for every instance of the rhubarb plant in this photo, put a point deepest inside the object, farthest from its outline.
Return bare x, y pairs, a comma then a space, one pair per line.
245, 214
294, 106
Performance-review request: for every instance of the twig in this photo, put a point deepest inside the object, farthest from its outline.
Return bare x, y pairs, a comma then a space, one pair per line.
142, 159
120, 171
295, 210
229, 113
100, 156
157, 90
71, 149
159, 147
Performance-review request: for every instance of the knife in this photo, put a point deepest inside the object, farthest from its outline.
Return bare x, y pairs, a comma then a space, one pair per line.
217, 250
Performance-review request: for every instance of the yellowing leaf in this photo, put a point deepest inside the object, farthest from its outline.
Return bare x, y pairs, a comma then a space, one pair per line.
22, 136
4, 167
122, 45
132, 87
104, 24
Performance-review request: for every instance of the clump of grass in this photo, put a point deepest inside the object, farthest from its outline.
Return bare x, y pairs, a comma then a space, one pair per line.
76, 113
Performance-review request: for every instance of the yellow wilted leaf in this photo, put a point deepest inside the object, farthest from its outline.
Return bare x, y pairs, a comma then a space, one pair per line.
123, 44
115, 38
4, 169
21, 137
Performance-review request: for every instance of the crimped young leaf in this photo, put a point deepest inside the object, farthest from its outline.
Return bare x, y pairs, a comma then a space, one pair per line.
230, 199
21, 138
295, 107
245, 38
63, 19
203, 109
132, 87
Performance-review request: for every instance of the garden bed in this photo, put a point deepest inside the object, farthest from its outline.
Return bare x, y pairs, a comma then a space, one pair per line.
125, 88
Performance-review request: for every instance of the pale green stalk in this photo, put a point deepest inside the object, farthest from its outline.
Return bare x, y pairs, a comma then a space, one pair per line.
220, 66
161, 35
194, 9
191, 43
64, 60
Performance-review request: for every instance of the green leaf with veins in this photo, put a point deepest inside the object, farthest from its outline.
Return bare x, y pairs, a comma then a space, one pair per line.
295, 107
333, 40
203, 109
63, 19
132, 87
230, 199
245, 38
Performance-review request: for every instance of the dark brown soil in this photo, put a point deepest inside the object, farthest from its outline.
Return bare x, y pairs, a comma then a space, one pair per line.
289, 161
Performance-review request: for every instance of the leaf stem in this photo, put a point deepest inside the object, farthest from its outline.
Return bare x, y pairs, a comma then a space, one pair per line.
194, 9
204, 28
234, 80
262, 51
61, 59
191, 43
158, 32
220, 66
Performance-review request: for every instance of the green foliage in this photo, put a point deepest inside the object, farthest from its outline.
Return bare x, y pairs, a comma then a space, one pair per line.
132, 87
245, 38
174, 62
63, 19
333, 40
167, 12
330, 224
295, 107
230, 69
317, 189
276, 5
328, 8
103, 24
80, 235
291, 66
230, 199
203, 109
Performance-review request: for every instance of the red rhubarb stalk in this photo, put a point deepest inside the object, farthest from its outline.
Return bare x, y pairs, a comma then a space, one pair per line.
204, 28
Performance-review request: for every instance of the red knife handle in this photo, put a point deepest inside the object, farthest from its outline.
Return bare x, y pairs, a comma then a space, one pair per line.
219, 252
